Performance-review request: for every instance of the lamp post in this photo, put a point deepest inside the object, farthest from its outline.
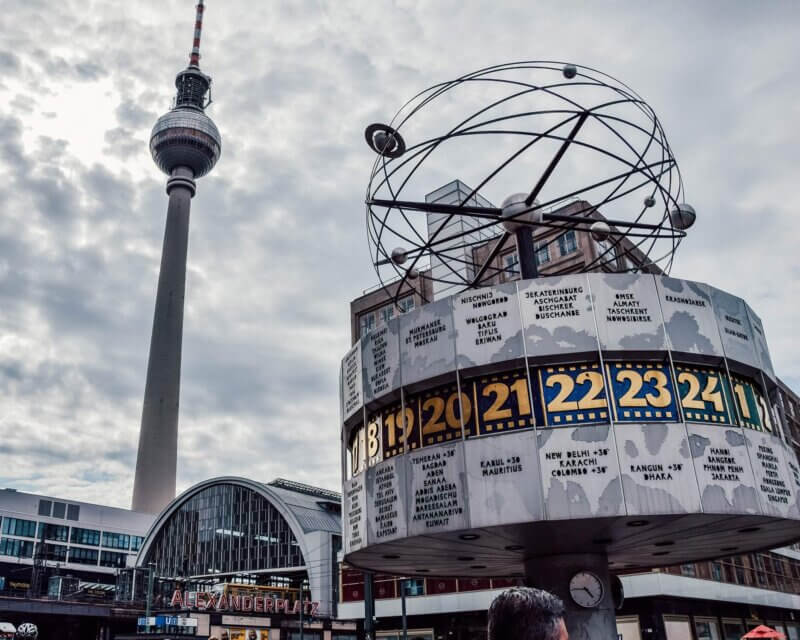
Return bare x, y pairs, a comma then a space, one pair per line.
403, 607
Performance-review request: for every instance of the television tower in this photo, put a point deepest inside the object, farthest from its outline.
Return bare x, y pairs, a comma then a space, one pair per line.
185, 144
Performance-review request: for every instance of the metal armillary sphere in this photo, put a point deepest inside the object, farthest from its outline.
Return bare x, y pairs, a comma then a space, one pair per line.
578, 149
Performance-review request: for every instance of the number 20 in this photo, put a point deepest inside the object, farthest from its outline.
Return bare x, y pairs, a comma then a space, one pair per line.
434, 424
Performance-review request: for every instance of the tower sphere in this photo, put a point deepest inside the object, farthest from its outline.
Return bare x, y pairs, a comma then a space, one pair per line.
516, 213
185, 137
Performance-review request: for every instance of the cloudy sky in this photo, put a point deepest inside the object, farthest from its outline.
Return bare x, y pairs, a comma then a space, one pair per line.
278, 244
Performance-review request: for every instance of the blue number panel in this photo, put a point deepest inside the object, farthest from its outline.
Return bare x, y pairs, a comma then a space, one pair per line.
642, 392
573, 395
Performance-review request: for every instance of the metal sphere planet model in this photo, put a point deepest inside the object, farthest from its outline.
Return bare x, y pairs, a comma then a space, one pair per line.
552, 428
547, 132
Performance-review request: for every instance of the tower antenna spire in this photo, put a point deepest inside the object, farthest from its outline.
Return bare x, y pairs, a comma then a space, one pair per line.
194, 58
185, 144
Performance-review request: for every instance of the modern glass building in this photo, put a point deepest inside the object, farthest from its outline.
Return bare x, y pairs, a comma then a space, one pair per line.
236, 546
66, 537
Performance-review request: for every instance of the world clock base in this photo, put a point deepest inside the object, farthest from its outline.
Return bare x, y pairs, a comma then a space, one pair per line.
583, 583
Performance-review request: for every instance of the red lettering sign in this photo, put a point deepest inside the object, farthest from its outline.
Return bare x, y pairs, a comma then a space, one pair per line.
206, 600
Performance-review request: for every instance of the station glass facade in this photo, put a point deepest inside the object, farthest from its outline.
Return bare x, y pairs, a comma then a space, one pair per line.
224, 529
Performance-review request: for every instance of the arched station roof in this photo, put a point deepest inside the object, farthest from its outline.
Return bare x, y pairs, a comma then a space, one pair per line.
306, 509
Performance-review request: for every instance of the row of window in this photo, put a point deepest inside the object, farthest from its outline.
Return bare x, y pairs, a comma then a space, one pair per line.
567, 244
53, 509
352, 585
371, 319
60, 553
63, 533
763, 570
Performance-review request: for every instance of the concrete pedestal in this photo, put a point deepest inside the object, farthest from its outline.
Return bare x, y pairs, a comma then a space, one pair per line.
553, 574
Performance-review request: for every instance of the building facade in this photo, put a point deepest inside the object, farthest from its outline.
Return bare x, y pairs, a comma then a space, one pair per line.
238, 556
556, 253
88, 541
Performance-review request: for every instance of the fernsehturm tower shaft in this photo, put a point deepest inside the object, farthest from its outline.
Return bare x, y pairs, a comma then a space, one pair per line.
185, 145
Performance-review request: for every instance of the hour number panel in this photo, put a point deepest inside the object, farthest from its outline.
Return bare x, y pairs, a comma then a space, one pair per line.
439, 414
751, 405
573, 394
399, 427
642, 392
503, 402
372, 439
705, 394
358, 451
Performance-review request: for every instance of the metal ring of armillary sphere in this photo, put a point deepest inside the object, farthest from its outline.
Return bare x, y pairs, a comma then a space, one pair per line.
578, 149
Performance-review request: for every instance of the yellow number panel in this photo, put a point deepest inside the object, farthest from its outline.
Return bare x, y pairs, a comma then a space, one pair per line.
573, 394
642, 392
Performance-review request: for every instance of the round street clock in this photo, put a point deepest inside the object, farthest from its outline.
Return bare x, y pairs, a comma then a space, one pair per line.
586, 589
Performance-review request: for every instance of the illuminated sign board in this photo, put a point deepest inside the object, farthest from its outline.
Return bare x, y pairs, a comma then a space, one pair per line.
211, 601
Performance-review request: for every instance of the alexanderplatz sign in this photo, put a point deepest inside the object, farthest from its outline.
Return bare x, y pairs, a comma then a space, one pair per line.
214, 601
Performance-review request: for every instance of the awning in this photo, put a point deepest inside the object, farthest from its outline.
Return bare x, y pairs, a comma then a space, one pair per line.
763, 631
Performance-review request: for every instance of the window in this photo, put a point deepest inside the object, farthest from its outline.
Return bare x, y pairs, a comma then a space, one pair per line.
385, 313
57, 532
44, 507
689, 570
73, 511
85, 536
511, 265
136, 542
677, 627
732, 629
706, 629
406, 304
366, 323
82, 556
16, 548
59, 509
628, 628
542, 253
415, 587
57, 552
567, 243
605, 251
116, 540
112, 559
17, 527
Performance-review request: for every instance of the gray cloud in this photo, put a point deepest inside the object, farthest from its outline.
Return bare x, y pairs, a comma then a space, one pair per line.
277, 245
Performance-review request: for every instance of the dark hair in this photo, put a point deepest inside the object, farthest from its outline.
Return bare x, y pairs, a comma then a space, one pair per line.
522, 613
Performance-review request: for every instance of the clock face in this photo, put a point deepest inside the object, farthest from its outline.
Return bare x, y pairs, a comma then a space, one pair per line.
586, 589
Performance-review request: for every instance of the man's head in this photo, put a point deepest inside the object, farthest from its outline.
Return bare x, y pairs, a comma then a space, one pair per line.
252, 635
522, 613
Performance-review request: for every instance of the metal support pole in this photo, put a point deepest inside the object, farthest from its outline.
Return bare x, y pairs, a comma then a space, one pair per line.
150, 572
526, 253
302, 606
369, 607
553, 573
403, 608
